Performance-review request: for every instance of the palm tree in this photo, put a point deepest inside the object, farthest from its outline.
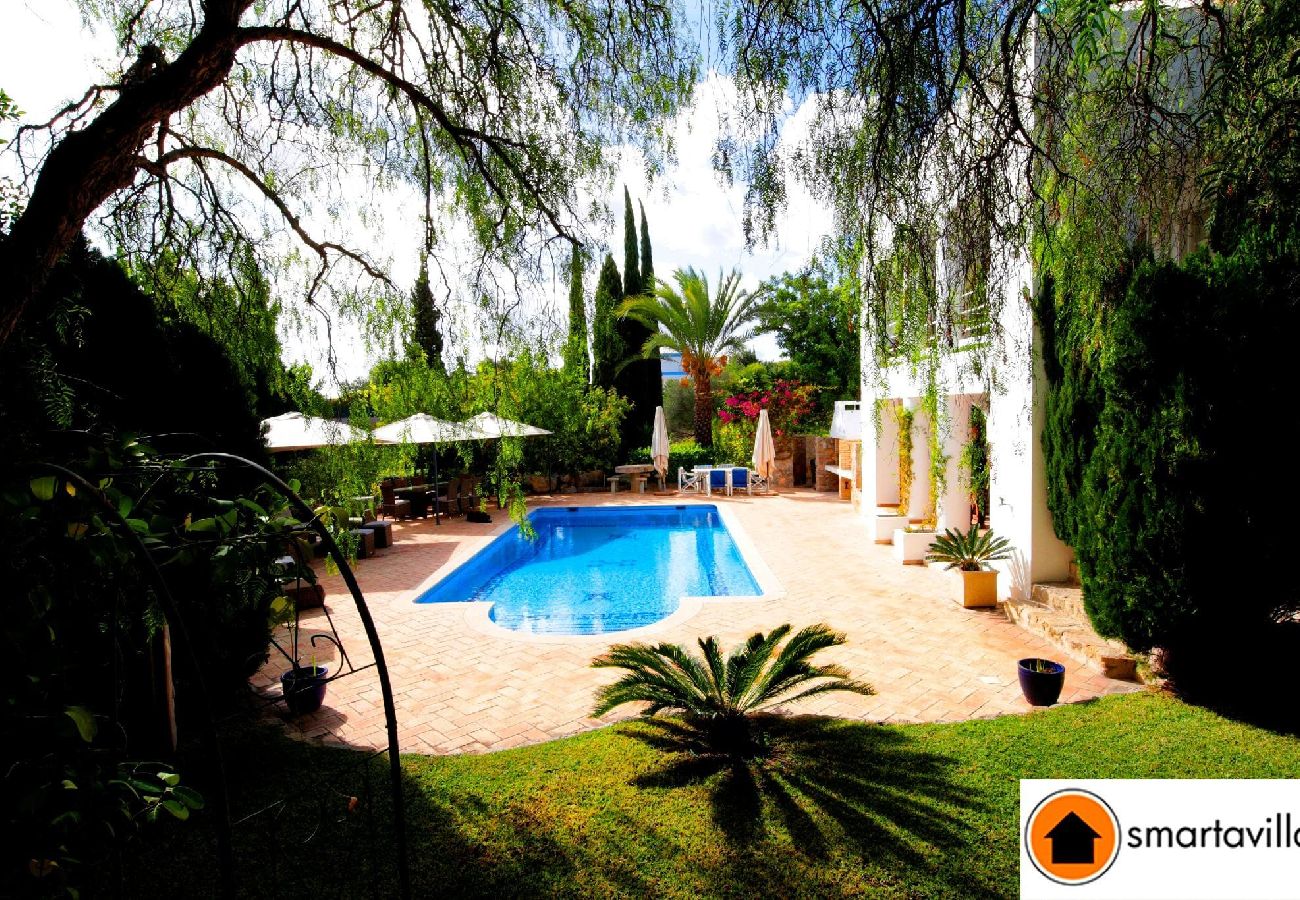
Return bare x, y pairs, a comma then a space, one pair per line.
720, 694
701, 328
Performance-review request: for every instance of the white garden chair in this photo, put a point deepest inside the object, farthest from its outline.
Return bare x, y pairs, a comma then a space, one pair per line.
690, 482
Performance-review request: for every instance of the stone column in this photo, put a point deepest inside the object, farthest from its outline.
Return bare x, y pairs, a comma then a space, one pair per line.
827, 455
783, 467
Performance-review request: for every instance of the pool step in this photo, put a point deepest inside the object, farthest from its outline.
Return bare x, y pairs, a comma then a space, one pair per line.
1055, 613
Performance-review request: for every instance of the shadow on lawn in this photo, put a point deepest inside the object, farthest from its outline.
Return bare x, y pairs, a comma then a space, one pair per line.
827, 783
832, 801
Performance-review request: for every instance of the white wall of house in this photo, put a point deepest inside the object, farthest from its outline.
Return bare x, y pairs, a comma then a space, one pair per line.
1014, 404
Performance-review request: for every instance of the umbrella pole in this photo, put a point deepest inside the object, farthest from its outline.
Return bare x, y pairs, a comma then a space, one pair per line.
436, 502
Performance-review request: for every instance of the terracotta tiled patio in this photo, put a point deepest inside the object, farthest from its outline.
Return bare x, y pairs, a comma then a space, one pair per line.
460, 688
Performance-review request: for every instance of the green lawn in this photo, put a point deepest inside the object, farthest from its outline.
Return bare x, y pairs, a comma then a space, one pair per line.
841, 808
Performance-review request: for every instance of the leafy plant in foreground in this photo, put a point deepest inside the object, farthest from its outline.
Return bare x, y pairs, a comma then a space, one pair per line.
719, 693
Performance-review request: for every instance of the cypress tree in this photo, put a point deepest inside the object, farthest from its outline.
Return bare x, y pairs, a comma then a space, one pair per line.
639, 380
576, 359
427, 337
607, 348
631, 268
647, 261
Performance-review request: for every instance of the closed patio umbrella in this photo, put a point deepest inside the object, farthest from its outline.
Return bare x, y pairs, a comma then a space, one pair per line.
294, 431
423, 428
659, 445
764, 457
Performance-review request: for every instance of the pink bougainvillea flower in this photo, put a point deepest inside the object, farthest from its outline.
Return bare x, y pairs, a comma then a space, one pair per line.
732, 401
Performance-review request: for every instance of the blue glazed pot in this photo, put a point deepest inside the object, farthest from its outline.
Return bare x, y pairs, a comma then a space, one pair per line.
304, 688
1041, 688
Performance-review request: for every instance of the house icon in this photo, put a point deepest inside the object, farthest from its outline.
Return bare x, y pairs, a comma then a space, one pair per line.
1072, 841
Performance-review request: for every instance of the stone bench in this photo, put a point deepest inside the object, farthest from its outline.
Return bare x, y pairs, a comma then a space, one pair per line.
614, 482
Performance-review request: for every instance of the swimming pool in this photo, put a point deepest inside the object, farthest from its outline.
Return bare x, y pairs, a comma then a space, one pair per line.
594, 570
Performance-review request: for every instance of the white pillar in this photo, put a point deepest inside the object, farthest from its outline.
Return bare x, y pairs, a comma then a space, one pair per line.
1015, 426
886, 457
954, 505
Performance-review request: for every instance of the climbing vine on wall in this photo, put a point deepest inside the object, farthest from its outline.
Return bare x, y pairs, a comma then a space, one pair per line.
935, 426
904, 417
974, 465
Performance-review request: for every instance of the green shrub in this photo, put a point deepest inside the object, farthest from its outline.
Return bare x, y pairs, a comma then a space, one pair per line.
734, 443
681, 454
1162, 400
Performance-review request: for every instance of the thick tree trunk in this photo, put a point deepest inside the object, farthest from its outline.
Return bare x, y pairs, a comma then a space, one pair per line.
88, 166
704, 410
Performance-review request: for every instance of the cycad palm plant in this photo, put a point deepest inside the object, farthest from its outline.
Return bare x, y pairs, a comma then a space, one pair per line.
703, 328
720, 693
969, 551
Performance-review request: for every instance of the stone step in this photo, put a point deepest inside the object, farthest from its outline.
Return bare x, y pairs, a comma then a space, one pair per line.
1074, 637
1061, 596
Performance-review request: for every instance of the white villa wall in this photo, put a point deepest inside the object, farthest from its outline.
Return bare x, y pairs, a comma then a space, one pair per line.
1013, 393
1018, 494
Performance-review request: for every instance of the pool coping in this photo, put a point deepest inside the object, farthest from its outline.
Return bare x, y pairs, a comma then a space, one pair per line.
477, 612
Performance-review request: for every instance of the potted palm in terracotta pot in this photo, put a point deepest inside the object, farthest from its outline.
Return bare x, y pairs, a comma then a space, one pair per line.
975, 583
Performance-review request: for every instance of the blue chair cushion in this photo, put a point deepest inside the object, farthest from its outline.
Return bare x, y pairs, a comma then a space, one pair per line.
740, 478
717, 478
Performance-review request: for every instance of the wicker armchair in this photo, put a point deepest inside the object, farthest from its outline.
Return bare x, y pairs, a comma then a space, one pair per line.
392, 505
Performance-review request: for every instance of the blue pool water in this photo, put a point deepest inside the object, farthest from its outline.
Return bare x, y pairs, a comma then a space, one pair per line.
596, 570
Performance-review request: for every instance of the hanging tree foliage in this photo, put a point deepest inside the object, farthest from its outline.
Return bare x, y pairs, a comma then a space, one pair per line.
227, 108
931, 114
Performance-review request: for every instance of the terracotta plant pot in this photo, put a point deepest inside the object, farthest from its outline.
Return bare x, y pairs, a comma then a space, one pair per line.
973, 590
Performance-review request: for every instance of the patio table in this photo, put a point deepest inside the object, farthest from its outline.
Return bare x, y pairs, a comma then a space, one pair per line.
419, 496
641, 471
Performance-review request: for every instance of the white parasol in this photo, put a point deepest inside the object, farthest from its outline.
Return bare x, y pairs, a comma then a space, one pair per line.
764, 457
659, 444
423, 428
490, 425
294, 431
